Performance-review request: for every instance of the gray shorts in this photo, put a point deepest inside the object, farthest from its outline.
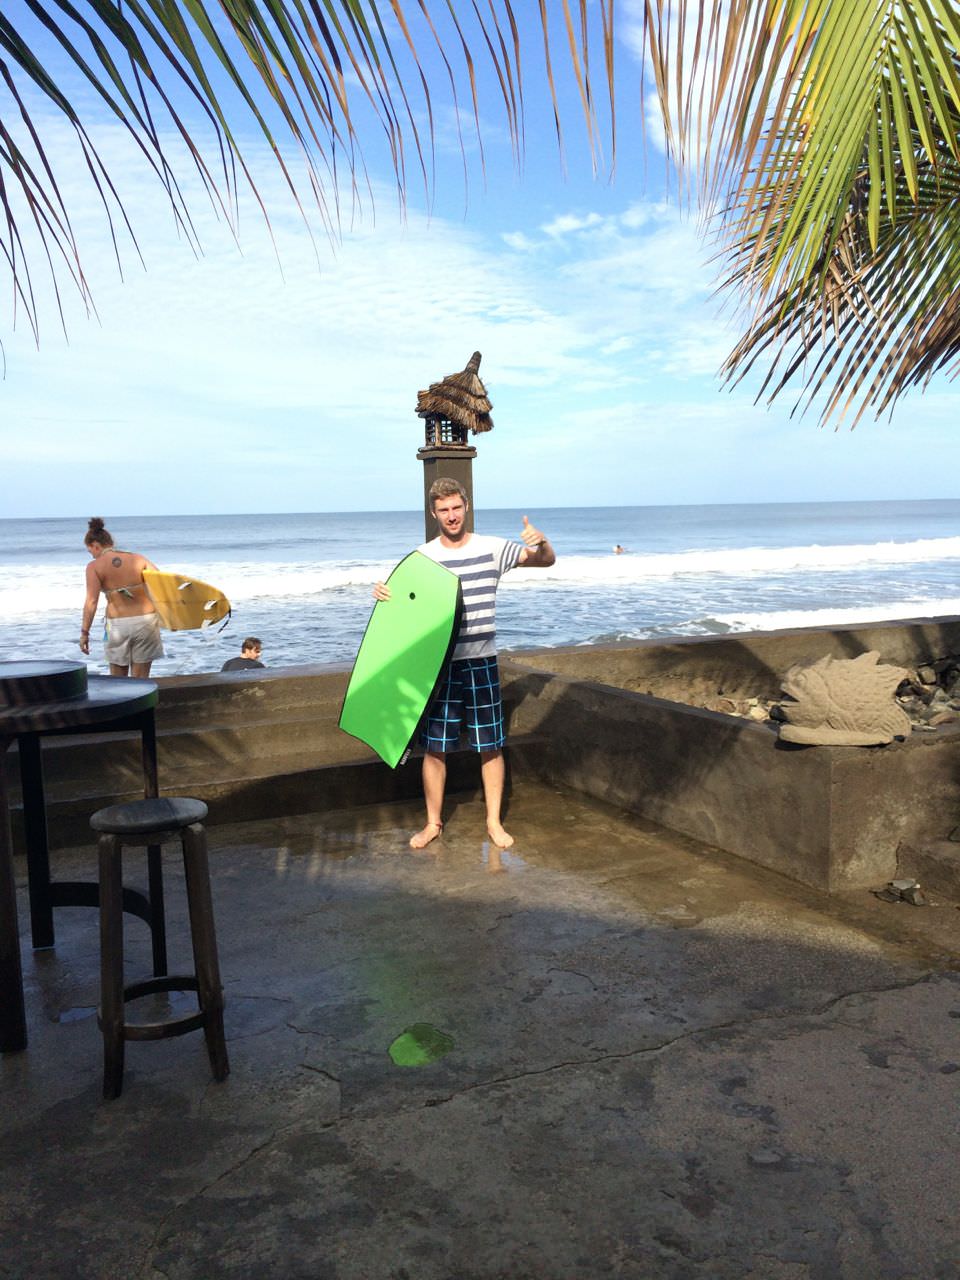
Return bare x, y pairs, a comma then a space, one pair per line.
132, 640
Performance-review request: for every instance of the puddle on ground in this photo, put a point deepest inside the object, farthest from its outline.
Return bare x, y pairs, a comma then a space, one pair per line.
159, 1006
495, 859
420, 1044
681, 917
74, 1015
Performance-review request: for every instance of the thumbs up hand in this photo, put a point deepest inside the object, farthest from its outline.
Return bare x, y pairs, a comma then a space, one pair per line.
531, 536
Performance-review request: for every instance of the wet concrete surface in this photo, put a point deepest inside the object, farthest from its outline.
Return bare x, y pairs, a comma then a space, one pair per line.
636, 1057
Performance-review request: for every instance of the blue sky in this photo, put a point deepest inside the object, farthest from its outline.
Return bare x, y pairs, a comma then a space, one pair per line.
234, 382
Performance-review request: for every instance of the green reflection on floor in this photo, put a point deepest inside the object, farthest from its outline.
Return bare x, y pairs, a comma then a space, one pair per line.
419, 1044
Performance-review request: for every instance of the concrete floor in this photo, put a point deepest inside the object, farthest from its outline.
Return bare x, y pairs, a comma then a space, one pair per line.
662, 1063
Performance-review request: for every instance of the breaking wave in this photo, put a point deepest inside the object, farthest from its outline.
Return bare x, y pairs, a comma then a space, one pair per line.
40, 590
788, 619
741, 562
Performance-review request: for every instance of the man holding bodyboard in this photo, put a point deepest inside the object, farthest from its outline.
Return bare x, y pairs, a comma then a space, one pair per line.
468, 695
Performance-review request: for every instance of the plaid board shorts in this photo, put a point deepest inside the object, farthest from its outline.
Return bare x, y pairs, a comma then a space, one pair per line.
468, 696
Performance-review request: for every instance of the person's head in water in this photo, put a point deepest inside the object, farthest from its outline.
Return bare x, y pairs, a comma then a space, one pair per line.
96, 536
251, 648
448, 502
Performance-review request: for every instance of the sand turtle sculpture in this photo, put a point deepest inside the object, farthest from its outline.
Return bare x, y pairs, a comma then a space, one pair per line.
844, 702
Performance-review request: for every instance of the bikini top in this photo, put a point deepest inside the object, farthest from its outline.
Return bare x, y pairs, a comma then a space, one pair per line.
121, 591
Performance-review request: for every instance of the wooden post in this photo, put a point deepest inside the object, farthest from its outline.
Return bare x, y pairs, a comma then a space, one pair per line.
455, 461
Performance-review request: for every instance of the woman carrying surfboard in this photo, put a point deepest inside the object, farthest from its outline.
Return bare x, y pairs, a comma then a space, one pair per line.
468, 695
133, 626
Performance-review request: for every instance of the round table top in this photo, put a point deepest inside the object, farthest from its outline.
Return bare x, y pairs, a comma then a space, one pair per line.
29, 681
107, 698
20, 668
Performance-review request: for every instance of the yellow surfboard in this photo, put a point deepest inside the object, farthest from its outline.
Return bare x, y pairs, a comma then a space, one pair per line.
183, 603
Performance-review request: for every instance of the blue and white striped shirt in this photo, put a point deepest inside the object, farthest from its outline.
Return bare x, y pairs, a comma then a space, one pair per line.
479, 564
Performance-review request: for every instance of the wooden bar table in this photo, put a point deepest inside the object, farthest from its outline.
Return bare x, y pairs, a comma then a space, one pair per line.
39, 699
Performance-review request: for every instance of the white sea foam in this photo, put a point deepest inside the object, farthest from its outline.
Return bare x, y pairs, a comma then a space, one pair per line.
38, 591
740, 561
786, 619
41, 591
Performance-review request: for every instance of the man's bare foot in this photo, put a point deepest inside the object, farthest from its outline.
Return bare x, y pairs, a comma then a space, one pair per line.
502, 839
423, 838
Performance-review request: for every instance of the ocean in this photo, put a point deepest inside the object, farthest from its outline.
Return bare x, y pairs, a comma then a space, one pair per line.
302, 583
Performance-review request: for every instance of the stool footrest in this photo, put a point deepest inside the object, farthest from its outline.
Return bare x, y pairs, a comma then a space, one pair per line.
177, 1026
169, 982
162, 1030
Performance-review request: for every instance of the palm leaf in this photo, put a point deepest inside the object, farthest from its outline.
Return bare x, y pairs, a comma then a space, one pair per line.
825, 130
284, 60
886, 318
832, 147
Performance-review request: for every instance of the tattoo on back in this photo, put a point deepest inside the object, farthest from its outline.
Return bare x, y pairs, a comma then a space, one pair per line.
116, 562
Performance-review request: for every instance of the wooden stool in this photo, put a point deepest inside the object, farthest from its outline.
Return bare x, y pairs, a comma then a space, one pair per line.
152, 822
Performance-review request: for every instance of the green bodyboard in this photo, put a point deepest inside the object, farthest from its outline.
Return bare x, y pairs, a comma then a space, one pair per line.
402, 655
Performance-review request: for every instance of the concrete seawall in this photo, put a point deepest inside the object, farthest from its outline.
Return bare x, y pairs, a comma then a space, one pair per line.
602, 720
255, 744
831, 817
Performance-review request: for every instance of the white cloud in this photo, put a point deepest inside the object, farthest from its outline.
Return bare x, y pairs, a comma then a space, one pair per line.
285, 386
519, 240
642, 212
569, 223
230, 356
613, 348
630, 27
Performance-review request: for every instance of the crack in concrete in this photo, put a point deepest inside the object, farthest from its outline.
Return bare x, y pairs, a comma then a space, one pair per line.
308, 1066
507, 915
705, 1031
149, 1268
575, 972
305, 1031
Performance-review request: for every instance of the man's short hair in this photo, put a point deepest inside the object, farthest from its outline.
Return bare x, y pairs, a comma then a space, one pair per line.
445, 487
251, 642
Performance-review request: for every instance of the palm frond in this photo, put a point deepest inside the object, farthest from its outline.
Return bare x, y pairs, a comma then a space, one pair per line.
297, 69
832, 140
884, 319
826, 131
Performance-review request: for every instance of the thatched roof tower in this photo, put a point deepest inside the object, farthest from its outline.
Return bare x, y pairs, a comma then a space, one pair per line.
454, 405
